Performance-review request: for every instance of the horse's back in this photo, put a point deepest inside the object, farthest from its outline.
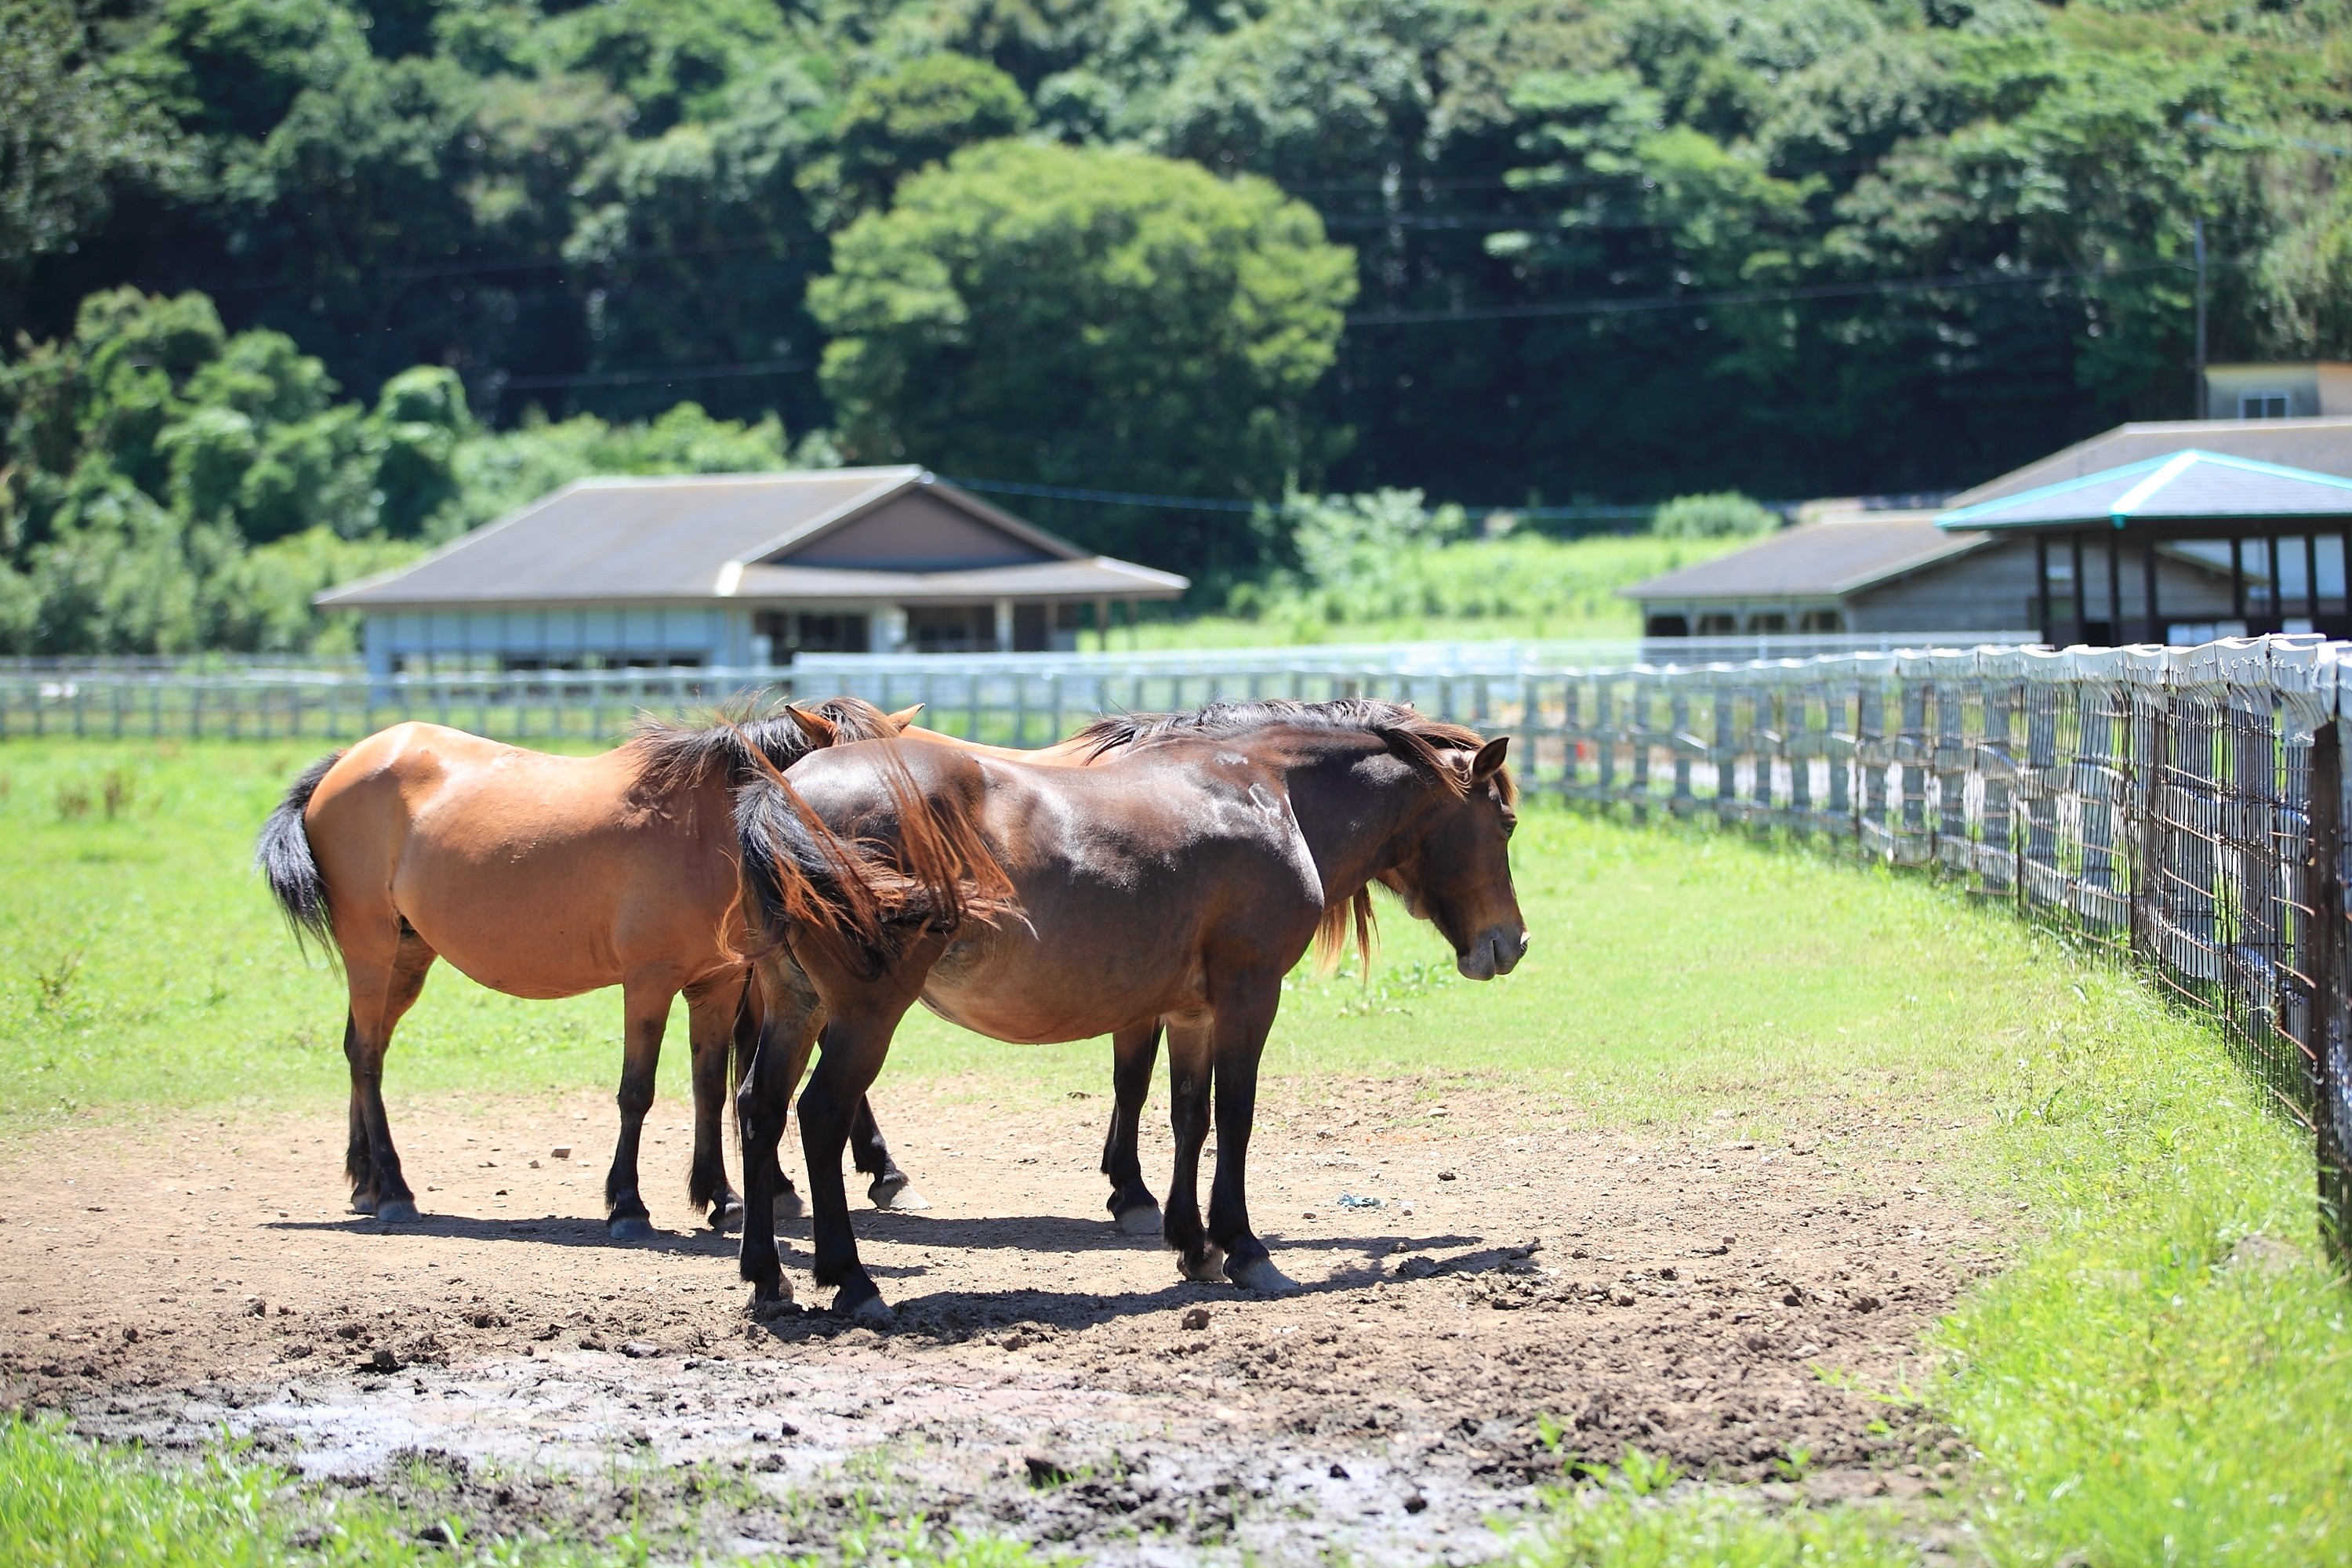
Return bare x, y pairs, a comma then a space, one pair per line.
537, 875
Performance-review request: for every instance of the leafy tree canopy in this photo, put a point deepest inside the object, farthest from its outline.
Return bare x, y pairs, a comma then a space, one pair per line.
1065, 313
1610, 250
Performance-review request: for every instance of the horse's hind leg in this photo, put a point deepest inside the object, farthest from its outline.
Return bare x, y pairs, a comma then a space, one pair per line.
892, 1188
855, 1046
646, 1008
1133, 1053
382, 993
761, 1102
749, 1023
715, 1017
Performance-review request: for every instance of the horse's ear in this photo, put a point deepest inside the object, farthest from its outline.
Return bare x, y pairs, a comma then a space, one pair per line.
904, 716
819, 729
1489, 760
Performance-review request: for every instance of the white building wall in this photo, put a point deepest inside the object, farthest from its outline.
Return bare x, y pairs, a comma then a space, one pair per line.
399, 639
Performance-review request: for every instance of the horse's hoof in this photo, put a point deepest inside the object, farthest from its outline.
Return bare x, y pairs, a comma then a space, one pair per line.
1144, 1221
1261, 1275
396, 1211
788, 1206
362, 1205
898, 1195
768, 1305
872, 1309
727, 1217
1209, 1270
629, 1228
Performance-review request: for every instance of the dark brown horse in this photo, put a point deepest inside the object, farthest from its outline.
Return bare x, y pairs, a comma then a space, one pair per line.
541, 876
1180, 879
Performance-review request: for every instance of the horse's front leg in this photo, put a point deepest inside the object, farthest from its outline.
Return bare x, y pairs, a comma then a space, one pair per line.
714, 1015
1189, 1072
891, 1189
645, 1007
1244, 1014
1133, 1053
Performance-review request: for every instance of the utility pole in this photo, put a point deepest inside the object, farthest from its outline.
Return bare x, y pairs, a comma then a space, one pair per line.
2198, 404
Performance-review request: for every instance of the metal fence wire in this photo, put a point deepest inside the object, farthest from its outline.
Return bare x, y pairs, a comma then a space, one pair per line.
2182, 807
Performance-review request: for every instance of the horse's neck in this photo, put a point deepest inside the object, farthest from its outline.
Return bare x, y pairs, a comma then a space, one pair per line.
1350, 821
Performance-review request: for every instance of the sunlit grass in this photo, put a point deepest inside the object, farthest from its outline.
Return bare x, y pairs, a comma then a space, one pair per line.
2167, 1378
2140, 1387
66, 1502
1634, 1518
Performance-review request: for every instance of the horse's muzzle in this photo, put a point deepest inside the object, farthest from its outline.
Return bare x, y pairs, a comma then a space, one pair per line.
1497, 952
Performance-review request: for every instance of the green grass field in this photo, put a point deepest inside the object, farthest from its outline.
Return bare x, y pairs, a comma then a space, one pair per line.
1522, 587
2141, 1385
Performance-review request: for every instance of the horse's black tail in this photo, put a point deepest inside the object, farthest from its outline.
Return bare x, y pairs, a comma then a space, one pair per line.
283, 852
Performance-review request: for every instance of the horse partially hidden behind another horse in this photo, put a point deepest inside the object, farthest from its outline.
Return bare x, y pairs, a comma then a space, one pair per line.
542, 877
1180, 879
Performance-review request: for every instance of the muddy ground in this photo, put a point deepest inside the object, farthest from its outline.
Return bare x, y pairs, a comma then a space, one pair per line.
1741, 1309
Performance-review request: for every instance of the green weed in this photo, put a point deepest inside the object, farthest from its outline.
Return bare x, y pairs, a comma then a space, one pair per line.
1634, 1518
2168, 1377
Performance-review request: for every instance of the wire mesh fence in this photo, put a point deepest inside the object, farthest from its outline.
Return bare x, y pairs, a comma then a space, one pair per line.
2183, 806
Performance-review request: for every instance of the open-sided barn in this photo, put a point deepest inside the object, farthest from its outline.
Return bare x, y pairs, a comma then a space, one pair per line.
743, 569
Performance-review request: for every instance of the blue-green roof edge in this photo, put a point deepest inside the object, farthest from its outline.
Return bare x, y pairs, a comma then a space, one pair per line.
1965, 516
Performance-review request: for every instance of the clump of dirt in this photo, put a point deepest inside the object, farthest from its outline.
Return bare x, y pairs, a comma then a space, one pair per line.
1730, 1306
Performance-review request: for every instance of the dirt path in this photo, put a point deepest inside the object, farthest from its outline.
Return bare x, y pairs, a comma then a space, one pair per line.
1726, 1304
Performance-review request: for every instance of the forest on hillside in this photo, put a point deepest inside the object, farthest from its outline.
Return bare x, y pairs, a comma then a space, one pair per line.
289, 286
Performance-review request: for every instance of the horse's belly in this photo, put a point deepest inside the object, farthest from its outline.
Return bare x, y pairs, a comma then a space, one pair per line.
551, 969
1017, 996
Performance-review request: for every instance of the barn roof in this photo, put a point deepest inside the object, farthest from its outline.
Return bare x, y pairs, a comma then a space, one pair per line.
2322, 446
2189, 486
1818, 560
671, 537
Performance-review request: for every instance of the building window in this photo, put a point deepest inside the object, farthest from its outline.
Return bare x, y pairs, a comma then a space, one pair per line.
1771, 623
951, 628
789, 632
1830, 621
1666, 627
2263, 406
1718, 625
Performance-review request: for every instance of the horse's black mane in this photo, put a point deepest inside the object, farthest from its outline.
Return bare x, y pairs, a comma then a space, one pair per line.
1370, 715
729, 744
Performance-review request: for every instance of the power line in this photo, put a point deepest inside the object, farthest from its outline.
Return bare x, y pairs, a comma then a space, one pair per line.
633, 377
501, 264
1288, 503
1744, 296
2207, 123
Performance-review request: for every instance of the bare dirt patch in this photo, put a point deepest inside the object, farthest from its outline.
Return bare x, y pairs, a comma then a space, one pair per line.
1735, 1307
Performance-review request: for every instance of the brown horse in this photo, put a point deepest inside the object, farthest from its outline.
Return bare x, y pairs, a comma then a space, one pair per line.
542, 877
1178, 879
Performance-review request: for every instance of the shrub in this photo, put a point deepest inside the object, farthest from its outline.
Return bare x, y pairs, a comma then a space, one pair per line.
1725, 515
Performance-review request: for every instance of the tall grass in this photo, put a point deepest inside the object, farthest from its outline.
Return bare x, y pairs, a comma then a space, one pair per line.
2168, 1377
68, 1503
1521, 586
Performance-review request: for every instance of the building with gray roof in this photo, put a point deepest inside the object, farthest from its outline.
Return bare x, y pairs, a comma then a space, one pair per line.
2181, 546
737, 569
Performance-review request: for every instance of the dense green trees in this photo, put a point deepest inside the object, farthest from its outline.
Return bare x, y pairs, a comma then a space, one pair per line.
1062, 313
174, 487
1603, 249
